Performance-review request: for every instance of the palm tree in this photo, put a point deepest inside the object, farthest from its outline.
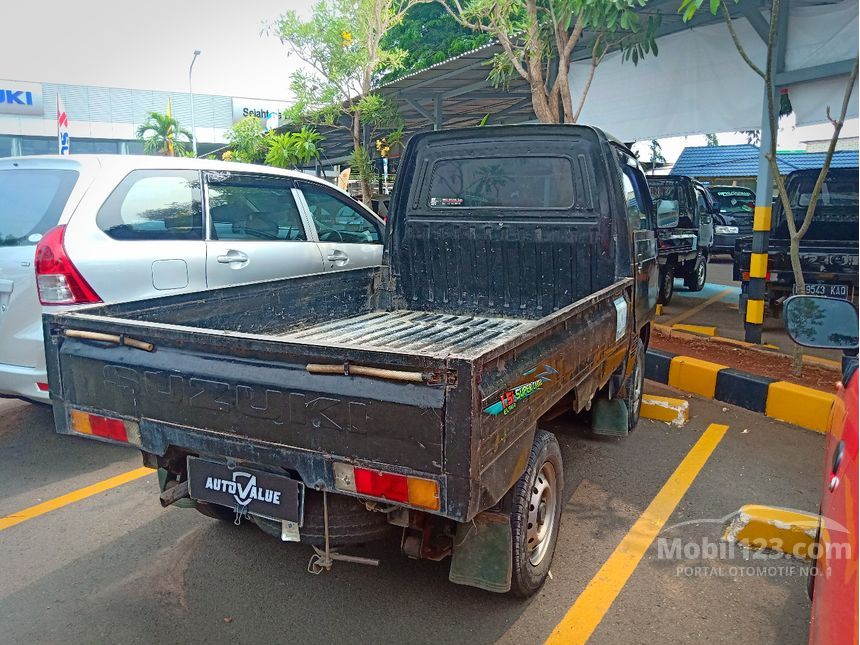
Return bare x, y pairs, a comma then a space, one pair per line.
161, 134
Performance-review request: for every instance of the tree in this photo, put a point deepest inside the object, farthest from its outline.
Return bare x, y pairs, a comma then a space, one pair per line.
712, 140
294, 149
342, 46
161, 134
656, 151
429, 35
538, 38
247, 140
688, 9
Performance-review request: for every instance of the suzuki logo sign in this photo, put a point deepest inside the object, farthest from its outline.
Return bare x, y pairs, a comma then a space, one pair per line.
18, 97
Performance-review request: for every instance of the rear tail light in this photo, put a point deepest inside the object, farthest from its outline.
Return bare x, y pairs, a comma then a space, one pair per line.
105, 427
43, 387
745, 276
57, 279
415, 491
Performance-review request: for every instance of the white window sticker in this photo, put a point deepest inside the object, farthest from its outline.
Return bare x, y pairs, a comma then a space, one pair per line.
620, 316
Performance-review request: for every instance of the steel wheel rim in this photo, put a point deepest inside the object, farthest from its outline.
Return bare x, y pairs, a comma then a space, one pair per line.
700, 274
541, 514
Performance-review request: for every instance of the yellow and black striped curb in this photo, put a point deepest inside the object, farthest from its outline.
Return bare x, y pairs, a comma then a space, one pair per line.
796, 404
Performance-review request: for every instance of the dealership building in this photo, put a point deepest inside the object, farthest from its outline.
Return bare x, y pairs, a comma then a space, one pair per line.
104, 119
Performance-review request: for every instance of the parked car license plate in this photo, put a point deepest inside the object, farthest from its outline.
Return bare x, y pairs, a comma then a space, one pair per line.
258, 492
826, 289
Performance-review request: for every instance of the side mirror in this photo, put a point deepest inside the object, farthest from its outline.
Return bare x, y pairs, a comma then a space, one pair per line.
668, 214
824, 323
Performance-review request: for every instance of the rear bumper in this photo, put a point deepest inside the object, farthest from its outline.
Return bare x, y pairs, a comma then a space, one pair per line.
313, 468
20, 382
724, 243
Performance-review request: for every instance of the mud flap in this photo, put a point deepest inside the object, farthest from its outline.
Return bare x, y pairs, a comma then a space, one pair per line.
609, 417
482, 553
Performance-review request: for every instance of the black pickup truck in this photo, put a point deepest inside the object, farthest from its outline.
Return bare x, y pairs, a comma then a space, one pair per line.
828, 251
685, 211
519, 282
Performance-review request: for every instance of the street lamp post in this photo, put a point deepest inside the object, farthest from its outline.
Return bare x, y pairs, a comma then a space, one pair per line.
191, 92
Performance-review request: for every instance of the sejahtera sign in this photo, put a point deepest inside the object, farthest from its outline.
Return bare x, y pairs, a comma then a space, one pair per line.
19, 97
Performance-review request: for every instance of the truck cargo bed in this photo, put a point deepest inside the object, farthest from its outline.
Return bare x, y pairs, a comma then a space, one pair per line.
414, 331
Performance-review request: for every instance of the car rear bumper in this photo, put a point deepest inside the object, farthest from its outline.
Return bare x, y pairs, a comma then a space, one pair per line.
21, 382
724, 243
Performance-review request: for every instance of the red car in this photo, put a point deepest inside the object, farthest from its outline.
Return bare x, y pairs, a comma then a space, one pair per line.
815, 321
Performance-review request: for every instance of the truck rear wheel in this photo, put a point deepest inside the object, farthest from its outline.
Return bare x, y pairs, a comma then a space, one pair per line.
536, 515
667, 284
698, 275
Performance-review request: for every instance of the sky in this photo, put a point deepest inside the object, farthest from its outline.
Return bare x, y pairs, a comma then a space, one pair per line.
149, 45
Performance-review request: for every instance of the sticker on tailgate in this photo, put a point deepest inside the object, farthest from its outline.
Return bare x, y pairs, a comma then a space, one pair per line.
509, 398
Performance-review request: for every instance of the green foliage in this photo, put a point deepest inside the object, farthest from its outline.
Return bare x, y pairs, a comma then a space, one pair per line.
294, 149
531, 34
161, 133
247, 140
428, 35
361, 163
712, 140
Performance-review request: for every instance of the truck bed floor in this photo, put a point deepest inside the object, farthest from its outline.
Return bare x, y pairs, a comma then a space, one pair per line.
414, 331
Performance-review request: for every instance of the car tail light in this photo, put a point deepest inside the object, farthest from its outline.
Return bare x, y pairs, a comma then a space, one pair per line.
415, 491
43, 387
98, 426
745, 276
57, 279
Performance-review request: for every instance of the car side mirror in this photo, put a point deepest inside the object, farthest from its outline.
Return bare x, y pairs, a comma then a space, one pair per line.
668, 214
823, 323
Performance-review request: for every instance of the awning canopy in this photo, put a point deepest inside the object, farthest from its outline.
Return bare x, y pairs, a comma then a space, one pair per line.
698, 82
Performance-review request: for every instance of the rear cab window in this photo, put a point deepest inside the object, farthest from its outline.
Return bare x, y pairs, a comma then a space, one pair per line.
31, 202
734, 201
154, 205
502, 182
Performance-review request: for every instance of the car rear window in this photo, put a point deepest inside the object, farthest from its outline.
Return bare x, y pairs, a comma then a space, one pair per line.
502, 182
31, 201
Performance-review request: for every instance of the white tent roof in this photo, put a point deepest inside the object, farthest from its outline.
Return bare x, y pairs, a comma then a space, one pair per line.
699, 83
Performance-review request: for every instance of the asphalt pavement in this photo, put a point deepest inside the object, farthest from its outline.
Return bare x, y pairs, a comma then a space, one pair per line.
115, 567
717, 306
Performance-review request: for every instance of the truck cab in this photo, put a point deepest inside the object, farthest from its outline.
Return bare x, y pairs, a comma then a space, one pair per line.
828, 252
685, 232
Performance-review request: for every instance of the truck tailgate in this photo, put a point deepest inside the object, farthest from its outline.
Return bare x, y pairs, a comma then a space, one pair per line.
254, 388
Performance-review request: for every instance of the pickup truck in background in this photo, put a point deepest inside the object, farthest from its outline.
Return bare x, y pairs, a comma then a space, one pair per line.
685, 211
828, 251
519, 282
735, 206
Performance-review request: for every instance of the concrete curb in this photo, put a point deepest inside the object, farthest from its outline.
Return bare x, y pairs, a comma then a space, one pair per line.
795, 404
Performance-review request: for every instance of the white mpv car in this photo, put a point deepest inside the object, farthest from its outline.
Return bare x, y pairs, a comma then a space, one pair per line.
88, 228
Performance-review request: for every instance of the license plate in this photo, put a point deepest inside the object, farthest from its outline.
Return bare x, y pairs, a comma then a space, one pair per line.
258, 492
825, 289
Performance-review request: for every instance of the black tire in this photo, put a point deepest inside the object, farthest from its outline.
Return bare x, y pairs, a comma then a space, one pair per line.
667, 284
349, 521
533, 548
634, 387
698, 276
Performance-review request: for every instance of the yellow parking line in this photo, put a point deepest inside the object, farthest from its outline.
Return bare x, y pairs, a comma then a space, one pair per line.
592, 604
71, 498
